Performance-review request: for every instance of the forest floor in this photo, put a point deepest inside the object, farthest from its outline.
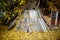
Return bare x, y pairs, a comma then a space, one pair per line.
20, 35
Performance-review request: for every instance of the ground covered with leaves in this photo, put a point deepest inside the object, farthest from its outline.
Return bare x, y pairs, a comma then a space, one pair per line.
20, 35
